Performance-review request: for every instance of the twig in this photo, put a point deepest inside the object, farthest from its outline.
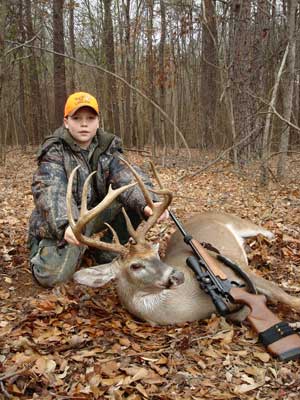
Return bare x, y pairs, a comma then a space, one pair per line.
61, 397
4, 391
11, 374
272, 175
212, 336
22, 44
141, 353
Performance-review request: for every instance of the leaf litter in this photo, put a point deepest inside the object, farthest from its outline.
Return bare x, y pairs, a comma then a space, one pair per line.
73, 342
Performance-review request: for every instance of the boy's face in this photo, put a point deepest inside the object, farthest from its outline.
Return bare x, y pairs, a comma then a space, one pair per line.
83, 125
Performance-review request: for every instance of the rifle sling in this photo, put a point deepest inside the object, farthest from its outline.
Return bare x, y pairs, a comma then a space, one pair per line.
276, 332
238, 270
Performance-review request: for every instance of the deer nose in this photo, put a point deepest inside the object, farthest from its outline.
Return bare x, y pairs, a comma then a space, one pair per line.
176, 278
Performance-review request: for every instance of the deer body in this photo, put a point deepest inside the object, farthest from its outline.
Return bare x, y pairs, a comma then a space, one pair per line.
187, 302
167, 292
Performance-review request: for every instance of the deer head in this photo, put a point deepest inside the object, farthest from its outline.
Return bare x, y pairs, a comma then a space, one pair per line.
138, 267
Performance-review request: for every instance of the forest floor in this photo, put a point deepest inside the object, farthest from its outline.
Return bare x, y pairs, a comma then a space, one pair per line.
74, 342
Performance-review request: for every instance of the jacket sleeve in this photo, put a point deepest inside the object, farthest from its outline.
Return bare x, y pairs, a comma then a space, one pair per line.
49, 189
120, 175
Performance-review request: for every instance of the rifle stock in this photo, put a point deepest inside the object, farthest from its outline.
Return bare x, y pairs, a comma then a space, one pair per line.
262, 318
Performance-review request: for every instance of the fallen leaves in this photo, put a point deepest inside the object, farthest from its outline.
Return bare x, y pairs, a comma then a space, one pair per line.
79, 343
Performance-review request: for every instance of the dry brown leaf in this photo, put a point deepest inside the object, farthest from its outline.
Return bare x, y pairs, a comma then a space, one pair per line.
44, 366
245, 388
262, 356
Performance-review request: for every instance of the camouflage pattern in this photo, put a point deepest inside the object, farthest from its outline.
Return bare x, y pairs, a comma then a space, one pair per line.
52, 259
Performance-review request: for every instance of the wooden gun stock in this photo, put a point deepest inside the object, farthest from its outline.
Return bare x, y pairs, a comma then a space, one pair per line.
278, 337
262, 319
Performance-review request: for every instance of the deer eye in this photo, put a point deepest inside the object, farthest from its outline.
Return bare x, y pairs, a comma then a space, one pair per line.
136, 266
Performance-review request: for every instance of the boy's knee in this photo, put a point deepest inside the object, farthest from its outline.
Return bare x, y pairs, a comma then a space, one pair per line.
44, 277
52, 265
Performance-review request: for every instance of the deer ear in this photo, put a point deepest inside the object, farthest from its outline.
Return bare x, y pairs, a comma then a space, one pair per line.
96, 276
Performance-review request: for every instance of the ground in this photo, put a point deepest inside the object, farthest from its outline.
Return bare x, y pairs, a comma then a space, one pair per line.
74, 342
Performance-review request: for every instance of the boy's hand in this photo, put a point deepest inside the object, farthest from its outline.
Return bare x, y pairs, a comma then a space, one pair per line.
70, 237
148, 212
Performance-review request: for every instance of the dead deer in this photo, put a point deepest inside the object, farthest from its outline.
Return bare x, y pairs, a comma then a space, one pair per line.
167, 292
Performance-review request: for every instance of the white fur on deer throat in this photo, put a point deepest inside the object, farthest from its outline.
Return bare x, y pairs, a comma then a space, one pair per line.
145, 303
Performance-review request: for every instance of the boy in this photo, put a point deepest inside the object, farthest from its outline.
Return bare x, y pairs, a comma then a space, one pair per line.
55, 253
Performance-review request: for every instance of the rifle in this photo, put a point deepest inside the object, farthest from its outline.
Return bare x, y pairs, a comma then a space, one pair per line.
278, 337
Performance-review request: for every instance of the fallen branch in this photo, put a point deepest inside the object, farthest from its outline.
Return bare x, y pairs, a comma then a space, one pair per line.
4, 391
10, 374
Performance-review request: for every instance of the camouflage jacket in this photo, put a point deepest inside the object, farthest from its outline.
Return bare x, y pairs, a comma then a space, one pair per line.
58, 156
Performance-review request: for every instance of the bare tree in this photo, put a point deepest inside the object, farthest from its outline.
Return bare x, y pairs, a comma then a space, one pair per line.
59, 74
3, 14
162, 73
209, 69
266, 141
288, 89
72, 46
21, 122
109, 49
261, 69
239, 74
128, 72
35, 123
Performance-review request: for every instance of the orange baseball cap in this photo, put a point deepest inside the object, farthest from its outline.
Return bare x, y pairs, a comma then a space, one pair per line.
78, 100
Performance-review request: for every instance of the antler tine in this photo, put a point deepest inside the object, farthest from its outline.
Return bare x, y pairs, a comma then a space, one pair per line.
132, 232
157, 211
84, 196
114, 233
140, 182
157, 178
87, 215
140, 233
69, 198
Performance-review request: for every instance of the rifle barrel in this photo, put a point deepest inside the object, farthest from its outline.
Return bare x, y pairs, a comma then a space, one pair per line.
178, 224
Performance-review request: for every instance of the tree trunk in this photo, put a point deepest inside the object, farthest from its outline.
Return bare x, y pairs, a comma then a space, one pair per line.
59, 74
113, 106
127, 113
22, 131
72, 46
239, 74
264, 173
261, 69
162, 74
288, 90
36, 120
209, 70
150, 65
3, 12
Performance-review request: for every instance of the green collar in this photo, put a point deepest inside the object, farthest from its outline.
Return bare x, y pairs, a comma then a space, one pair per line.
100, 142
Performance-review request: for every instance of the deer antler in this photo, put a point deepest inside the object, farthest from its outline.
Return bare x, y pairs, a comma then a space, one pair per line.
139, 234
87, 215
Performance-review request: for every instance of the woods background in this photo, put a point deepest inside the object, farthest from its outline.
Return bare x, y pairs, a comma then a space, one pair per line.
217, 75
199, 84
